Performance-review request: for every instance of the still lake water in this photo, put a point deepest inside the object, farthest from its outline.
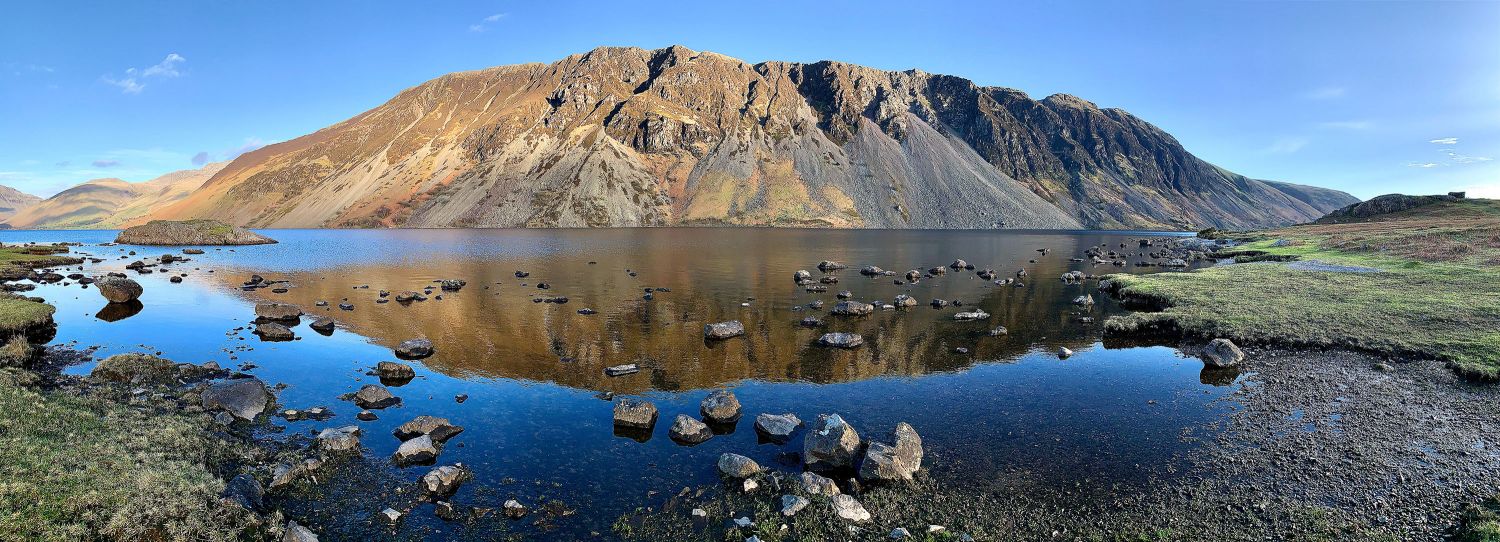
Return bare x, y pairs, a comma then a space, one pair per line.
1005, 416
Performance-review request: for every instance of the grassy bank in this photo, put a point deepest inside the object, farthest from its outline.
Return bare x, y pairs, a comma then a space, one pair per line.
20, 315
1424, 282
92, 466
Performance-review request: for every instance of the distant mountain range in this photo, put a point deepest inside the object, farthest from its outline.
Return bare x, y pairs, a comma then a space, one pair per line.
634, 137
109, 203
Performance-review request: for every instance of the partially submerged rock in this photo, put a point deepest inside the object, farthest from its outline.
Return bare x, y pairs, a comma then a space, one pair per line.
630, 412
118, 289
686, 430
830, 443
444, 481
339, 439
1221, 353
135, 369
414, 349
277, 312
841, 340
723, 330
438, 429
777, 427
417, 451
190, 232
371, 396
271, 331
852, 308
720, 406
737, 466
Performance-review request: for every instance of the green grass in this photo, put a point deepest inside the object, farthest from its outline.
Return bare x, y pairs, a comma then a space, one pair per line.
1480, 522
80, 467
1431, 299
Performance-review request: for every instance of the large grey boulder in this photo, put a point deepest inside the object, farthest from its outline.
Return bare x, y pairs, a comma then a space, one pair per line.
723, 330
893, 462
244, 398
1221, 353
414, 349
852, 308
630, 412
371, 396
277, 312
438, 429
848, 508
417, 451
444, 481
339, 439
841, 340
830, 443
118, 289
737, 466
686, 430
245, 491
777, 427
720, 406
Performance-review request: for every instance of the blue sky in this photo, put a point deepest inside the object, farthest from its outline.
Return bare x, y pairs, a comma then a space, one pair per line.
1370, 98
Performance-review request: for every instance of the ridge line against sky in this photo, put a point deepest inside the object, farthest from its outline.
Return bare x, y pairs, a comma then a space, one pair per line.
1369, 98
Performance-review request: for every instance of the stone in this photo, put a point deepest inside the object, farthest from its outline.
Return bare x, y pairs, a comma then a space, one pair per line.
414, 349
244, 398
1084, 300
830, 443
323, 324
1063, 352
903, 300
245, 491
777, 427
841, 340
801, 275
366, 416
371, 396
390, 515
438, 429
621, 370
277, 312
852, 308
975, 314
737, 466
893, 462
444, 481
390, 370
791, 504
827, 265
118, 289
816, 484
723, 330
297, 533
999, 331
630, 412
417, 451
339, 439
452, 285
271, 331
900, 533
686, 430
848, 508
514, 509
135, 369
1221, 353
721, 406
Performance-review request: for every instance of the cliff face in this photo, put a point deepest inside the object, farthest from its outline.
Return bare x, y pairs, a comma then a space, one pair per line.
631, 137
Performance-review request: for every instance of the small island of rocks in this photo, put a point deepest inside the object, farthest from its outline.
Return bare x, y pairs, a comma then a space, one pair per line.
190, 232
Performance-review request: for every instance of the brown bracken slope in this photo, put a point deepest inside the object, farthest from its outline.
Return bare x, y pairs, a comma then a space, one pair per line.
634, 137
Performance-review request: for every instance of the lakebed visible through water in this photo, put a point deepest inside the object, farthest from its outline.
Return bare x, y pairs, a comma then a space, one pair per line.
996, 413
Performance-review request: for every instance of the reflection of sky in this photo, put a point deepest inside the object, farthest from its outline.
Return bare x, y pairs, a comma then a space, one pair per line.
1085, 420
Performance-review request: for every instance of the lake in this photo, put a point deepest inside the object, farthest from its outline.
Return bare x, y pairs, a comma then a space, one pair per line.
998, 413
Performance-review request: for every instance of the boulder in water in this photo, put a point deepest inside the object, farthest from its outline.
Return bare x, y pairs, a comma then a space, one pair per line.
190, 232
118, 289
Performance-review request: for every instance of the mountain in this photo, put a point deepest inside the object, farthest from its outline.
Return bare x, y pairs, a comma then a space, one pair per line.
633, 137
13, 201
110, 203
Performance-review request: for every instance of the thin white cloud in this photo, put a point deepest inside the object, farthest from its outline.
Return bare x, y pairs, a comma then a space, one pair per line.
1423, 165
1445, 141
1287, 145
485, 23
103, 163
134, 80
251, 143
1466, 158
1325, 93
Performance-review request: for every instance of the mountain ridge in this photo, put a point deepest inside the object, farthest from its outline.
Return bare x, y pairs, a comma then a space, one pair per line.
111, 202
635, 137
